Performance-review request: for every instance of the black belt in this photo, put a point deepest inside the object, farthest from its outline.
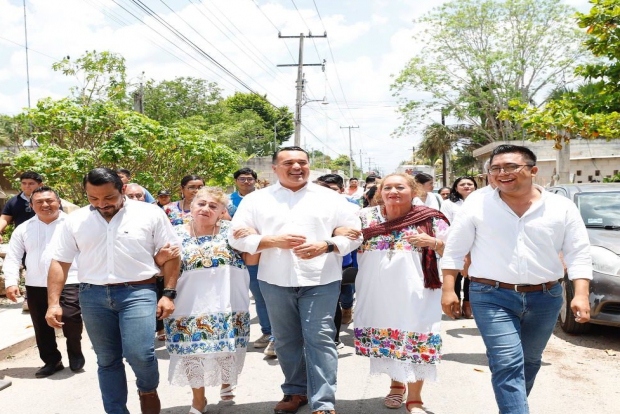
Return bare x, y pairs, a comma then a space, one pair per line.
516, 288
139, 282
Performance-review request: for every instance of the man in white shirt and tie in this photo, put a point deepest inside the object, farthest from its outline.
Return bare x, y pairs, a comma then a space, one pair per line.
515, 234
117, 240
299, 274
31, 239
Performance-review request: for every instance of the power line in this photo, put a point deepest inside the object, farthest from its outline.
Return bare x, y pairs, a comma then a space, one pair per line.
29, 48
274, 26
196, 47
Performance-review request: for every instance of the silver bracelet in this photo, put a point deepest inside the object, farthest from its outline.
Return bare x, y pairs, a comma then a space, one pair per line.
54, 306
435, 248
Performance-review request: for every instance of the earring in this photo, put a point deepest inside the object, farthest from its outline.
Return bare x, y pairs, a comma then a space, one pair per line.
218, 222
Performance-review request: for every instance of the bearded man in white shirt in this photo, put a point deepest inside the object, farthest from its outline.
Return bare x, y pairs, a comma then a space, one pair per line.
31, 239
515, 235
299, 274
115, 240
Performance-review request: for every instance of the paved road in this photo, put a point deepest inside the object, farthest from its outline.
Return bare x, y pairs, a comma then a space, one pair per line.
579, 375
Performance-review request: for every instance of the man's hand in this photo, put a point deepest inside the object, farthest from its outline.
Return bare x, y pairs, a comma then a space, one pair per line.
580, 306
12, 292
242, 232
166, 253
348, 232
288, 241
165, 307
53, 316
310, 250
450, 304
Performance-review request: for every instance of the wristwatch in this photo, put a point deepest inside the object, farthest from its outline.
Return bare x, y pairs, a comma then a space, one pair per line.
170, 293
330, 246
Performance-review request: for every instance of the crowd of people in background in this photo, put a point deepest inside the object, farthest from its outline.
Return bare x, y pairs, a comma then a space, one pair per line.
182, 270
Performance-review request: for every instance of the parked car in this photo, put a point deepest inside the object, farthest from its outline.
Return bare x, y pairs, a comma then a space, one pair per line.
599, 205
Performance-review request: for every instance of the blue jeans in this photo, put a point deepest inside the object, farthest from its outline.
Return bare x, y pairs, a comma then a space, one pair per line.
303, 322
261, 308
346, 296
120, 321
515, 328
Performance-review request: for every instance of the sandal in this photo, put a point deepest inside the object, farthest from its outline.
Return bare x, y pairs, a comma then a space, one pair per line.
415, 410
193, 410
395, 400
227, 394
161, 337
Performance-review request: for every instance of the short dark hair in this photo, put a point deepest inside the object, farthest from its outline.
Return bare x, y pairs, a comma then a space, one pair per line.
372, 179
527, 153
454, 195
353, 178
423, 178
294, 148
332, 179
124, 171
101, 176
31, 175
443, 188
189, 178
43, 189
245, 171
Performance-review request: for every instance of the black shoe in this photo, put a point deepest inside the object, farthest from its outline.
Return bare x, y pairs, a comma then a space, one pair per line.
49, 369
76, 363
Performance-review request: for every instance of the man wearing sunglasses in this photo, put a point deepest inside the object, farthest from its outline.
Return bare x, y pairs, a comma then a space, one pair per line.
515, 234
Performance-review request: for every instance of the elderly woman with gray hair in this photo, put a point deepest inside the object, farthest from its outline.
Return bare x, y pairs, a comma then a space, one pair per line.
207, 335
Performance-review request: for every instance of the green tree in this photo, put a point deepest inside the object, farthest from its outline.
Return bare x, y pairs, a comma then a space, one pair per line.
75, 138
342, 162
479, 55
101, 76
171, 101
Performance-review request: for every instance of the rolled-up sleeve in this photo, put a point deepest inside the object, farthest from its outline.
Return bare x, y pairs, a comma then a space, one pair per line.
347, 217
576, 246
63, 246
244, 218
14, 256
164, 232
460, 240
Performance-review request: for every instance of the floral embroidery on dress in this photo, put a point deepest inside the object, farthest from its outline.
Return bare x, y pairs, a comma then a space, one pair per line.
176, 215
414, 347
396, 240
208, 251
208, 333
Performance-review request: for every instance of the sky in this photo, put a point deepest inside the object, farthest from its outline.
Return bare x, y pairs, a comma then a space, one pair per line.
368, 42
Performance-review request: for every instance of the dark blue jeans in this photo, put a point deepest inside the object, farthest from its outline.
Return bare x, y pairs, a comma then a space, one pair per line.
261, 308
515, 328
120, 321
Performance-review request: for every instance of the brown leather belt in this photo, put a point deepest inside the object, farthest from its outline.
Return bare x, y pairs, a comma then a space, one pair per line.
139, 282
516, 288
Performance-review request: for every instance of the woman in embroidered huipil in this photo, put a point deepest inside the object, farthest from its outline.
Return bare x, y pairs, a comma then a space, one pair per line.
208, 332
398, 309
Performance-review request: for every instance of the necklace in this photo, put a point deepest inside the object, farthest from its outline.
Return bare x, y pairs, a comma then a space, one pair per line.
206, 252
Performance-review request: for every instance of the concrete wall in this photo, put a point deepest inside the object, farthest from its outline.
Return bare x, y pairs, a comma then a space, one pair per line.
590, 160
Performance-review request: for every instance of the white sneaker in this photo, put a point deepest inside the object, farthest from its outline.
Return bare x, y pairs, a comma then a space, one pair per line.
271, 349
262, 342
25, 307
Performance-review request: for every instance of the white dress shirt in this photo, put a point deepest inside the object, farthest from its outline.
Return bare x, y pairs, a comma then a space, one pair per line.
120, 251
449, 208
32, 238
432, 201
312, 211
519, 250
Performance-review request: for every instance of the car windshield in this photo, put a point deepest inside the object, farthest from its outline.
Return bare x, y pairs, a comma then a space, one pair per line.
600, 209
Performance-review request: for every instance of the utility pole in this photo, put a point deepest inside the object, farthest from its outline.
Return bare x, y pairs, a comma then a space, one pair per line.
444, 158
361, 163
350, 150
27, 68
300, 79
138, 99
369, 167
413, 159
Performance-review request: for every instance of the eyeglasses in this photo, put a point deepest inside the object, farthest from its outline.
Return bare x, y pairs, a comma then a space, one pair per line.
194, 188
245, 180
510, 168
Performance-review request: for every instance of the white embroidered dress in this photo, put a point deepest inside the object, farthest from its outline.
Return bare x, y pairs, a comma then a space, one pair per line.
207, 335
397, 319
